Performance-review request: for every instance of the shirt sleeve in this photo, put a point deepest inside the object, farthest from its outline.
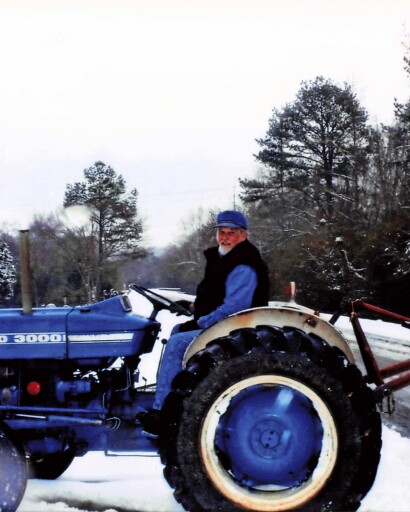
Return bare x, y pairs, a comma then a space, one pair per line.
240, 286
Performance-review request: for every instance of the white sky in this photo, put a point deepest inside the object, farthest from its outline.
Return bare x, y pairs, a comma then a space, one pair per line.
173, 93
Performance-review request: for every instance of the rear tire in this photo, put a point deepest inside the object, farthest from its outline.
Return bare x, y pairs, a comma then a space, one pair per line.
13, 471
270, 419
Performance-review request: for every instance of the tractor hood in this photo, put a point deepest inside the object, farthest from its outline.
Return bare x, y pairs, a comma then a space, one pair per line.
105, 329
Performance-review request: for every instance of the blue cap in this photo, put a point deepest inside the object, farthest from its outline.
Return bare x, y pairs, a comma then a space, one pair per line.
231, 219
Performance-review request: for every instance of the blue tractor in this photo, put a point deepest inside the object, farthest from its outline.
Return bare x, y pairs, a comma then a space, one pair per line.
269, 413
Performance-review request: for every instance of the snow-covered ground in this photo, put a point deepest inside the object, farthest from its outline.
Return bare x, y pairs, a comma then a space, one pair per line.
95, 483
99, 483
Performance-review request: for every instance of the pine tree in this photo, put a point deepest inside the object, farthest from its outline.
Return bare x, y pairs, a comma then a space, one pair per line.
314, 155
115, 230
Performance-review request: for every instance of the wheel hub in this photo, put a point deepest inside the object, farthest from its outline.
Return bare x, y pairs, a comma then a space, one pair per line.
269, 435
270, 439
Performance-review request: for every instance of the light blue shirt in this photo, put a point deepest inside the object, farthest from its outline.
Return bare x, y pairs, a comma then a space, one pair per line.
240, 286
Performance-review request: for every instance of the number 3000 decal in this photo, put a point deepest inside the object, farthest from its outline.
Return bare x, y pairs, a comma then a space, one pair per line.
32, 338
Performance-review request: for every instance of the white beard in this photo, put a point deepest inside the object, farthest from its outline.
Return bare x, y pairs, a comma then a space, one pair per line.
223, 251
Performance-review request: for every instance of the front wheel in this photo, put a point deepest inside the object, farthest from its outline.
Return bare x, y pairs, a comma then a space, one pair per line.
270, 430
13, 472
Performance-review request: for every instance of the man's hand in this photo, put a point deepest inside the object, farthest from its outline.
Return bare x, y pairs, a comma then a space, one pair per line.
190, 325
188, 305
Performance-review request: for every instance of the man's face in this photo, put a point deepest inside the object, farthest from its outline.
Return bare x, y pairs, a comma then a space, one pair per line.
228, 238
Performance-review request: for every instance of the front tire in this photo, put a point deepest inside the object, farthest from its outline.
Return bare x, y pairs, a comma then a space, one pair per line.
256, 428
13, 471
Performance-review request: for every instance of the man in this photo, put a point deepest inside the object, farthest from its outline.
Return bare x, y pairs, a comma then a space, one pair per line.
236, 278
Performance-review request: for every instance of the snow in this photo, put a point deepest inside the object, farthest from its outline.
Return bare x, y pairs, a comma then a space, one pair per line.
96, 483
109, 483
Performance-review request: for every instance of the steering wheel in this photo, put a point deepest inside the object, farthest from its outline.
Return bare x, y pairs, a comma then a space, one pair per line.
160, 302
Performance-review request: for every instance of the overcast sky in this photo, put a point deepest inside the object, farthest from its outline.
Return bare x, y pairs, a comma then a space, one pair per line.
173, 93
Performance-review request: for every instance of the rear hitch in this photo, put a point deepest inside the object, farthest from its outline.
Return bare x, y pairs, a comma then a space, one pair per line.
397, 373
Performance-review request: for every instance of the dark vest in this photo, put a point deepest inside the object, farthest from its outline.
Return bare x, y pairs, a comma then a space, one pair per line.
211, 290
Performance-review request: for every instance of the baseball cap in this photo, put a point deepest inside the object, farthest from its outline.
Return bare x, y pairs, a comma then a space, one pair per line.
231, 219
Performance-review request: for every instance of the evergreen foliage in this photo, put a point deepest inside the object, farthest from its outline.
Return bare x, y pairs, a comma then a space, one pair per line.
75, 263
113, 210
7, 273
332, 199
329, 208
115, 230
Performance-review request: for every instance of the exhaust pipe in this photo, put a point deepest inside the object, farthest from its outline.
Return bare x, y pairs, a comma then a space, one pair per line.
25, 271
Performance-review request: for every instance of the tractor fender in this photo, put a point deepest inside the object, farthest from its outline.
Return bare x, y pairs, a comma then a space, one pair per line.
276, 314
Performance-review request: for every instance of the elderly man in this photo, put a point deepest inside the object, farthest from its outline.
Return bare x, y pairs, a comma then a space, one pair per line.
236, 278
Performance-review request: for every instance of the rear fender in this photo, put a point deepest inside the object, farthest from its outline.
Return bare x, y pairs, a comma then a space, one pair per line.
279, 316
